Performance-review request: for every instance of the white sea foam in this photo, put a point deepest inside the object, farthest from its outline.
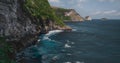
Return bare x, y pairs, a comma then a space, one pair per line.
79, 62
72, 42
74, 29
55, 58
75, 62
50, 33
53, 32
46, 37
69, 54
67, 46
67, 62
38, 40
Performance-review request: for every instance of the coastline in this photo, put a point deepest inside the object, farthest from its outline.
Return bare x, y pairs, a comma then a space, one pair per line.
21, 29
65, 28
73, 21
20, 55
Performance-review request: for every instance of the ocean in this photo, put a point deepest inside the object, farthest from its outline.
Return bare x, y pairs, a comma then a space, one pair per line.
93, 41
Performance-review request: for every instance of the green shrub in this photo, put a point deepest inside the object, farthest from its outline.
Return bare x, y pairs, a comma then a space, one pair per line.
42, 9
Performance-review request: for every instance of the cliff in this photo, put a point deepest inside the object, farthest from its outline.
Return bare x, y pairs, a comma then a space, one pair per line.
67, 14
21, 22
88, 18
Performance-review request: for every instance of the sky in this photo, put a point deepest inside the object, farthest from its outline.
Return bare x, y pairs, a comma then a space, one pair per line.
96, 9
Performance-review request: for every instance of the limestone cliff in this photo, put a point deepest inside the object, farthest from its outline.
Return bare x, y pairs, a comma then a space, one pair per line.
21, 21
13, 20
17, 28
67, 14
88, 18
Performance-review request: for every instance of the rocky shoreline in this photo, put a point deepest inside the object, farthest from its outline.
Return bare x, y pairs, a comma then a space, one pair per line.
31, 41
19, 28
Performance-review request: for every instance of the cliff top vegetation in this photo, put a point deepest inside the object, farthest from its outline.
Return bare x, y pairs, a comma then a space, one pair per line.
42, 9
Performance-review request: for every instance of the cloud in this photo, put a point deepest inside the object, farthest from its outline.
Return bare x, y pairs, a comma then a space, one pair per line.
81, 1
76, 3
108, 12
94, 8
67, 3
107, 0
97, 13
57, 3
54, 1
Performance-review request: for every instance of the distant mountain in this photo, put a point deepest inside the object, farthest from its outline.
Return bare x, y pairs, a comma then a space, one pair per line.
67, 14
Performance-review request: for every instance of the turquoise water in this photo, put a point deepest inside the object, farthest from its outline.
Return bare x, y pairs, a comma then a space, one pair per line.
89, 42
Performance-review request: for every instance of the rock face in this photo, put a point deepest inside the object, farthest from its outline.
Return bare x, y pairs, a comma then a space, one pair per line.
68, 14
13, 21
74, 15
88, 18
18, 26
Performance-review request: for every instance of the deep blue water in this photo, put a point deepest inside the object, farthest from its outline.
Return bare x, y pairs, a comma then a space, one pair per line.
90, 42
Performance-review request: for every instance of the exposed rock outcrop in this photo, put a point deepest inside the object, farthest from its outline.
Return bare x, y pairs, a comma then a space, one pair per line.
68, 14
88, 18
14, 22
19, 28
74, 15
